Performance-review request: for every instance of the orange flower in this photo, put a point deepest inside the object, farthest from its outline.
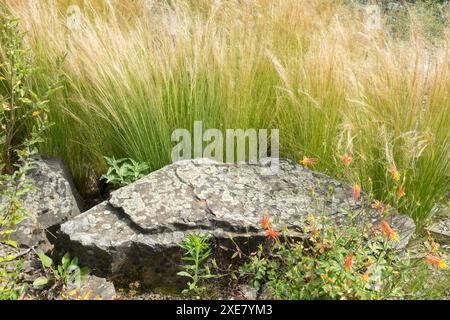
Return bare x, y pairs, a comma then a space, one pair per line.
346, 159
356, 191
314, 232
265, 222
388, 231
324, 247
394, 173
348, 262
438, 262
401, 192
325, 277
434, 247
307, 161
365, 276
378, 205
272, 234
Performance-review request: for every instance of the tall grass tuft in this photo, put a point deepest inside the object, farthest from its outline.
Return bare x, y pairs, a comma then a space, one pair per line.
136, 70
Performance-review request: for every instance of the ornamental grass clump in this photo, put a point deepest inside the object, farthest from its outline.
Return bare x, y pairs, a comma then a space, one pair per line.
135, 71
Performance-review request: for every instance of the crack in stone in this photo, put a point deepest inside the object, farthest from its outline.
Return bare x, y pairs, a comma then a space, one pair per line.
216, 221
196, 197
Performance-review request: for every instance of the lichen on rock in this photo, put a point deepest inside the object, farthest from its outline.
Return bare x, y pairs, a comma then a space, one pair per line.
137, 231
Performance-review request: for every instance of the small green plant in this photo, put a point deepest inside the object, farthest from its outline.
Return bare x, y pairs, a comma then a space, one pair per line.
10, 287
197, 250
122, 172
66, 274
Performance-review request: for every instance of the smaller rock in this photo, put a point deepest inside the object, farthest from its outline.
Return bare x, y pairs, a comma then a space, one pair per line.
95, 288
441, 231
249, 292
53, 202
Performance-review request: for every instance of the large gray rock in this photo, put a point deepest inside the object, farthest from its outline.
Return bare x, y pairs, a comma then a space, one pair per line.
54, 200
136, 234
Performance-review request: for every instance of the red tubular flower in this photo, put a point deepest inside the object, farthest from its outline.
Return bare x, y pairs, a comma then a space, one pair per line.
307, 161
388, 231
356, 192
394, 173
401, 192
434, 247
265, 222
348, 262
272, 234
438, 262
346, 159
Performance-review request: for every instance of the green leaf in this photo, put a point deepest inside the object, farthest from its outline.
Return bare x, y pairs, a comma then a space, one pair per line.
47, 262
8, 258
60, 270
84, 272
10, 243
6, 232
184, 274
74, 261
41, 281
65, 261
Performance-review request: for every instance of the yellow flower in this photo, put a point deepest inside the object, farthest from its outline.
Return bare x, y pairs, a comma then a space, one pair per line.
365, 276
378, 205
310, 218
394, 173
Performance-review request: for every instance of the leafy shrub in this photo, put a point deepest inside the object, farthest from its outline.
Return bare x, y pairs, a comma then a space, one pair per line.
353, 262
123, 171
23, 120
23, 114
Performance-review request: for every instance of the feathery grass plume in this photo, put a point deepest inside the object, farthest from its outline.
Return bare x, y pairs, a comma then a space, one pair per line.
137, 70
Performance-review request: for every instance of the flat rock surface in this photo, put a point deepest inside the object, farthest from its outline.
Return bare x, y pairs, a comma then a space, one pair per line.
142, 224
